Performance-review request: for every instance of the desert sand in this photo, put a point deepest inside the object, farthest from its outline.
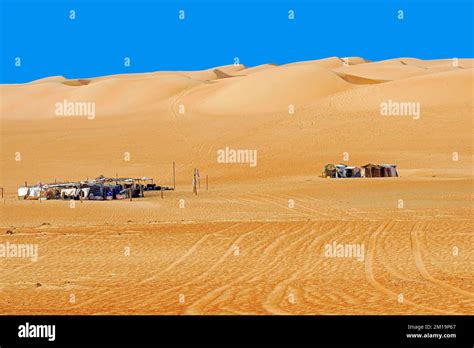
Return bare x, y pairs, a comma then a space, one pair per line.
254, 242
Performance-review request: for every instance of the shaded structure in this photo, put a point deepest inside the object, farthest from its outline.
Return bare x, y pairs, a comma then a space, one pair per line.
380, 171
372, 171
101, 188
341, 171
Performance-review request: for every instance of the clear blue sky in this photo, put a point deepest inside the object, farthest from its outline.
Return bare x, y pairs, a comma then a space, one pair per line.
214, 32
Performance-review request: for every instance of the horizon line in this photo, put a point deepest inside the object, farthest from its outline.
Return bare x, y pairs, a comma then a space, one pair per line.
223, 65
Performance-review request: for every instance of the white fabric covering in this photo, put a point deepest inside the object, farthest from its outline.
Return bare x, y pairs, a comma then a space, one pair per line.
68, 192
35, 192
22, 191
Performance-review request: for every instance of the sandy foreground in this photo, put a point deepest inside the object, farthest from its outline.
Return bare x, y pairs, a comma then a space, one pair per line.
255, 242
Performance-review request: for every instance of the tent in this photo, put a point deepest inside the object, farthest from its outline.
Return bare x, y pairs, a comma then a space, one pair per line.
34, 192
341, 171
334, 170
23, 192
380, 171
389, 170
353, 172
329, 171
68, 193
372, 171
101, 188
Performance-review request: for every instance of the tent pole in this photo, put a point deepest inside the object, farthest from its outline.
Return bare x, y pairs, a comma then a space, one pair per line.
174, 175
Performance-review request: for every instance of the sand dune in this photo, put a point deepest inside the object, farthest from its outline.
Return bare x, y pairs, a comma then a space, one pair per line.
433, 89
383, 72
111, 96
50, 79
255, 69
272, 90
273, 87
241, 247
402, 68
448, 63
332, 62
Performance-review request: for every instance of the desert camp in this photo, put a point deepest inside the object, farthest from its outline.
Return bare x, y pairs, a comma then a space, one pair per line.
101, 188
257, 237
369, 171
341, 171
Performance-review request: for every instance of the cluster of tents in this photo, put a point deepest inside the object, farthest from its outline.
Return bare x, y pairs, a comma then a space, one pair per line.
99, 189
368, 171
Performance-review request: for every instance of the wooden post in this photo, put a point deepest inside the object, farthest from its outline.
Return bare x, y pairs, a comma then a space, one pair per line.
26, 184
2, 191
130, 190
207, 182
161, 190
174, 175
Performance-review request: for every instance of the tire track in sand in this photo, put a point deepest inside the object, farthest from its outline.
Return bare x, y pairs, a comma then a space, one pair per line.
416, 247
50, 242
369, 272
189, 252
278, 293
202, 277
198, 306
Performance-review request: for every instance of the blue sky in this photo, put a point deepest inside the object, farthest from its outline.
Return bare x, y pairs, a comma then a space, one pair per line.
215, 32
